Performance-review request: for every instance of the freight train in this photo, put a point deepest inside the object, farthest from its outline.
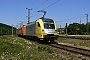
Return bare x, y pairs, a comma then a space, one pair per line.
41, 29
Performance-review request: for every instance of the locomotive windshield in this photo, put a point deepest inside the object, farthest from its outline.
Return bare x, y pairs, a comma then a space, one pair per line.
49, 24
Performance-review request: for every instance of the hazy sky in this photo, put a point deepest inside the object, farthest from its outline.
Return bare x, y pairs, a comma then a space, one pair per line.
61, 11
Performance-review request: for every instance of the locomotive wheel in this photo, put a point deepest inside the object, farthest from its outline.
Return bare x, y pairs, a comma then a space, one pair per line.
51, 41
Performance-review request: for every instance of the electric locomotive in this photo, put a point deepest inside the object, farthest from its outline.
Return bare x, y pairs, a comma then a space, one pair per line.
43, 29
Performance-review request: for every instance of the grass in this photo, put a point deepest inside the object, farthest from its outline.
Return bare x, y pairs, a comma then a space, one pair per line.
45, 48
76, 42
16, 48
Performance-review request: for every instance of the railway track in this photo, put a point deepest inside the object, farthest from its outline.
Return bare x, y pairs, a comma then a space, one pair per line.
75, 49
82, 37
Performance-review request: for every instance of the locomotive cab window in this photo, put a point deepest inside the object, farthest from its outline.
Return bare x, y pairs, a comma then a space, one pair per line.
38, 24
49, 24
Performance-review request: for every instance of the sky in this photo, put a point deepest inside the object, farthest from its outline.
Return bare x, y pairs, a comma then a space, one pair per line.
61, 11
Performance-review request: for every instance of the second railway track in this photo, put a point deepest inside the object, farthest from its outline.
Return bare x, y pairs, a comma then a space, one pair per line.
75, 49
82, 37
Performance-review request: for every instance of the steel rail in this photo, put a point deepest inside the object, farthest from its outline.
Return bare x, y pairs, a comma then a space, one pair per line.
75, 49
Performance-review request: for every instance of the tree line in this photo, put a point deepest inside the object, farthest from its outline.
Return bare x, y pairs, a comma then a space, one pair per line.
6, 29
76, 29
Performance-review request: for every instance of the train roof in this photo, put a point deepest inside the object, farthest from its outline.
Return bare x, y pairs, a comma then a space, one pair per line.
31, 23
43, 19
46, 19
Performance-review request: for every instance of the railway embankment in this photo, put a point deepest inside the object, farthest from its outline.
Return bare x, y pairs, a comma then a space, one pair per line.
17, 48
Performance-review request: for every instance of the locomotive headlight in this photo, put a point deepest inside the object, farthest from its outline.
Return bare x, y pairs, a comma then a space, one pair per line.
43, 31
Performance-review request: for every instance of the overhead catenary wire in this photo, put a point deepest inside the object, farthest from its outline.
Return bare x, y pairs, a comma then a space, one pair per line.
51, 4
41, 4
73, 15
34, 3
46, 7
71, 20
38, 7
63, 20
